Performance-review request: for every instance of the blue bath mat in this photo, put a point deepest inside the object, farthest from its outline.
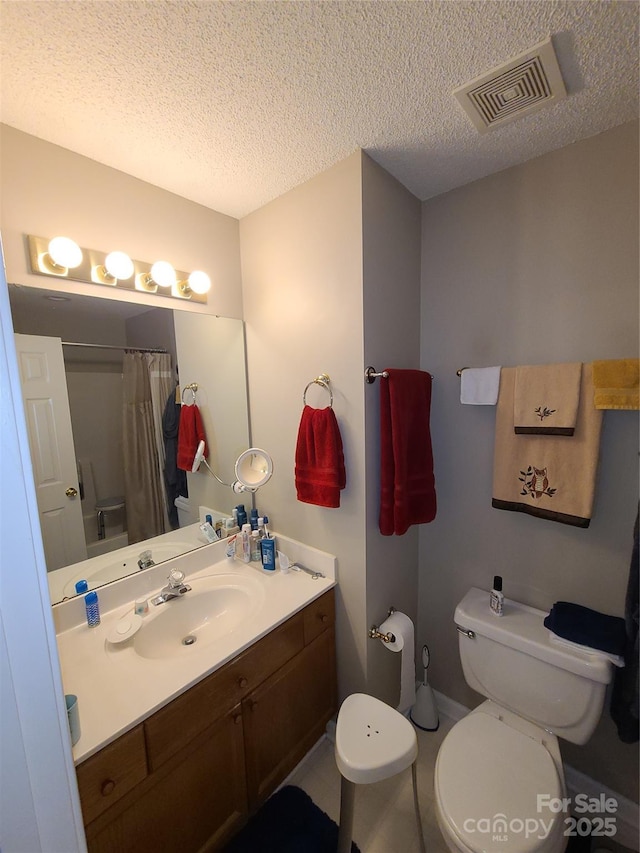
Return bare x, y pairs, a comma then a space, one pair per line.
289, 822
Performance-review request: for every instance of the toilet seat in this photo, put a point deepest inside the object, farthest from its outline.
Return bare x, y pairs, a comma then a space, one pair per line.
487, 779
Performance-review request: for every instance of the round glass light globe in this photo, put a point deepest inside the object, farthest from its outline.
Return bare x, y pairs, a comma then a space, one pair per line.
65, 252
163, 274
119, 265
199, 282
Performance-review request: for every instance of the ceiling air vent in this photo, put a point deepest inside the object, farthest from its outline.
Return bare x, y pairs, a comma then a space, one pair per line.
521, 86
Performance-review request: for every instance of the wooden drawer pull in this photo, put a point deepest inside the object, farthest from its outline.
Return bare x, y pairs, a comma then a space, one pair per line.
237, 719
242, 682
107, 787
323, 618
253, 705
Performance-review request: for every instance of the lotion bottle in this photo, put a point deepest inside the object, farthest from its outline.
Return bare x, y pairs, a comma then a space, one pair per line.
496, 599
245, 537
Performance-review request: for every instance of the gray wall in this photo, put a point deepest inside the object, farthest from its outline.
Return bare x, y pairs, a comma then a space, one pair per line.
391, 305
536, 264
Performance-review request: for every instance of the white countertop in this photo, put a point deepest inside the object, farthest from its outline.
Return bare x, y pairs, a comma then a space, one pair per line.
117, 689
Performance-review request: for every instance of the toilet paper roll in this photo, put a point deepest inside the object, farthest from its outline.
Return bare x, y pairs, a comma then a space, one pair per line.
401, 627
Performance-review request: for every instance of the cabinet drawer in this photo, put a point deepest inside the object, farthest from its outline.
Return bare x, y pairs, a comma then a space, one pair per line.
174, 726
319, 616
106, 777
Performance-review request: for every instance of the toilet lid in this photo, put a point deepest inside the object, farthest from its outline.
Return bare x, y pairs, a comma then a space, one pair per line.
488, 778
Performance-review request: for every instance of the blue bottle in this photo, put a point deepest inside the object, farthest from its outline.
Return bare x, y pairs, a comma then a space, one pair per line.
242, 515
93, 609
82, 586
268, 549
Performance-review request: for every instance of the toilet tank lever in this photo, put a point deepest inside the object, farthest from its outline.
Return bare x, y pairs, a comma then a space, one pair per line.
466, 632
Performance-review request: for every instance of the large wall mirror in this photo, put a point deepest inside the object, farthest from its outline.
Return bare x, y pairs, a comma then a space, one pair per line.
116, 517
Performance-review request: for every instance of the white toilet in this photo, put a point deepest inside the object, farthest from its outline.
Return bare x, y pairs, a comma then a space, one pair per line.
499, 778
186, 515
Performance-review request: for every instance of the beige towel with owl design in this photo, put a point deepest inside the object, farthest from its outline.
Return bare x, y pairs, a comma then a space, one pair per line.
549, 476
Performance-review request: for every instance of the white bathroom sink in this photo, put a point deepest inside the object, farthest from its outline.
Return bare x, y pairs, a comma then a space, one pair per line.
213, 608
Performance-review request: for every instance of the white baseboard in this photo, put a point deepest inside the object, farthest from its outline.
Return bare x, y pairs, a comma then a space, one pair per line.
627, 813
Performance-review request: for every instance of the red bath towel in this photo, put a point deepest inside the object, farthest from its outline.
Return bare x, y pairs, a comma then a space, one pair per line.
407, 484
319, 471
190, 434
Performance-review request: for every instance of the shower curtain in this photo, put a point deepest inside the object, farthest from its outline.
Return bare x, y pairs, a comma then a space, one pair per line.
162, 385
143, 382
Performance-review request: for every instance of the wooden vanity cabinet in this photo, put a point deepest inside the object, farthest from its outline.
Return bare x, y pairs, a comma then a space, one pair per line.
188, 777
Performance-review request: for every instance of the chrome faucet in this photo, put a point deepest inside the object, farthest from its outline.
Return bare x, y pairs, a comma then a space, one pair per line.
174, 589
146, 560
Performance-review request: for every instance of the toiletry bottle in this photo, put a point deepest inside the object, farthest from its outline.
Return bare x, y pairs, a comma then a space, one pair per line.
93, 609
496, 599
208, 533
231, 546
82, 586
256, 553
230, 528
246, 543
268, 548
242, 515
253, 519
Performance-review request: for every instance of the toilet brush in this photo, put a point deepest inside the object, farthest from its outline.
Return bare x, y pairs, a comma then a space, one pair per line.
424, 713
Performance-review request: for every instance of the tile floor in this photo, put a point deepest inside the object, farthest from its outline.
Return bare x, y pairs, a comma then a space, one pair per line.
384, 820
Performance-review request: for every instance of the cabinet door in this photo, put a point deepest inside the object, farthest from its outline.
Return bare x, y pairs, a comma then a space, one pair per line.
196, 802
287, 714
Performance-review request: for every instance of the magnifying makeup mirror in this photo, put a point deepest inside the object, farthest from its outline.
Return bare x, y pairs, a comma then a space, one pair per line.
253, 469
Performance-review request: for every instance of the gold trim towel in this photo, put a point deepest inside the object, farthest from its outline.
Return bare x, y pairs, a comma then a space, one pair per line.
616, 384
479, 386
551, 476
546, 399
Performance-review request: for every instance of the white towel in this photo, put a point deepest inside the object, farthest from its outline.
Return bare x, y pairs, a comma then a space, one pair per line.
479, 386
616, 660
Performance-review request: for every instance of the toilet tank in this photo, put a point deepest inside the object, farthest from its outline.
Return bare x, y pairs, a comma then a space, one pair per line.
186, 516
511, 660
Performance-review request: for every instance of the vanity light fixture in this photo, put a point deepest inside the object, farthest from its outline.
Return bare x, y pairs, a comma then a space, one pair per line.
198, 282
63, 258
61, 255
163, 274
117, 266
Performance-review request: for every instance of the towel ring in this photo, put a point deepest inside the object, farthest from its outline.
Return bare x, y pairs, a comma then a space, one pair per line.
324, 379
193, 387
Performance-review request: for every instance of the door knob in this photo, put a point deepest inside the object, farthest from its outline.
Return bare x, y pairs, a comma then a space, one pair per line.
71, 492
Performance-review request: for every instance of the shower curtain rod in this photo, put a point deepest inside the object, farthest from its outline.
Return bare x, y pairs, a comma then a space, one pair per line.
111, 346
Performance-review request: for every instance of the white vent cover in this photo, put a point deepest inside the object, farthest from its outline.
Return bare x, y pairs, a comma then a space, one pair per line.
523, 85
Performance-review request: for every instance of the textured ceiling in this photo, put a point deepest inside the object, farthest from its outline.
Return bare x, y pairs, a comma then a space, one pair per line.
231, 104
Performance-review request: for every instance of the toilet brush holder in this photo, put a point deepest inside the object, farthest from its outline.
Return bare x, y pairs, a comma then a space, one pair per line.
424, 713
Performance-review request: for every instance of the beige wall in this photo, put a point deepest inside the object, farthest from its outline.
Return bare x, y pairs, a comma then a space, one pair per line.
302, 281
48, 190
331, 282
536, 264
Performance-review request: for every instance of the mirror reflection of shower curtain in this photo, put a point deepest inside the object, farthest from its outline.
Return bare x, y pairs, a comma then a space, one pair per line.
162, 385
144, 489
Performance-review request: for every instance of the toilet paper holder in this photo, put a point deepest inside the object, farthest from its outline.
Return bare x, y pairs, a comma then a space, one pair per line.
375, 634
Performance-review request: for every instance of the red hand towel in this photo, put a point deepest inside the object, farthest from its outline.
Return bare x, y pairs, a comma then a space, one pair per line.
319, 470
407, 484
190, 434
